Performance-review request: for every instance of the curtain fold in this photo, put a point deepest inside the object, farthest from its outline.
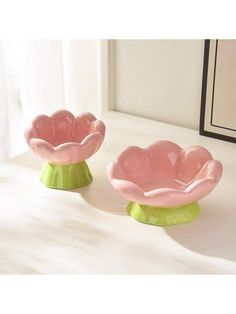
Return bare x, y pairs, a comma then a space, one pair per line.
40, 77
4, 134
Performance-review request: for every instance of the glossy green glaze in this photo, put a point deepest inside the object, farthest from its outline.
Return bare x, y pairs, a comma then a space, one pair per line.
66, 177
163, 216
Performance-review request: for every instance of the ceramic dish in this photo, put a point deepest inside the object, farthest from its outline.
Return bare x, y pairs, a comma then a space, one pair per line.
65, 142
163, 182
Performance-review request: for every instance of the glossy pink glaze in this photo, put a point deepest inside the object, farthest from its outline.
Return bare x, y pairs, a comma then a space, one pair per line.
65, 139
164, 174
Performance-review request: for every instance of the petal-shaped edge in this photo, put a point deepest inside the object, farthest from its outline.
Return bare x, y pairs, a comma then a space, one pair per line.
63, 113
201, 186
203, 183
87, 116
134, 163
192, 159
67, 153
71, 151
137, 162
82, 125
37, 131
164, 158
97, 126
63, 127
85, 124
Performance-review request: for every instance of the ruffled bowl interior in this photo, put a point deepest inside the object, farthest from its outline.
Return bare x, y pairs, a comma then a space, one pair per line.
63, 127
162, 165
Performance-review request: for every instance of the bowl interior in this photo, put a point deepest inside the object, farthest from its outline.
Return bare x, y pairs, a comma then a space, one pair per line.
149, 184
164, 165
63, 129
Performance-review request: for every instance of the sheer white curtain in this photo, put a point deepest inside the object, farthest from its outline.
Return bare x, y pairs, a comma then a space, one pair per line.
41, 76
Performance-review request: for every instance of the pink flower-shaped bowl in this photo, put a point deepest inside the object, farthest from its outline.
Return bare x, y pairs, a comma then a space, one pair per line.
65, 142
164, 181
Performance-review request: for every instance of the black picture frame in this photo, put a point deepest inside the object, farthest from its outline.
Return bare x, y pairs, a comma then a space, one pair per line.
202, 130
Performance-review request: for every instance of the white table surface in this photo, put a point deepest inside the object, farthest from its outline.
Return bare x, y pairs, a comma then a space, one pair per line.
88, 231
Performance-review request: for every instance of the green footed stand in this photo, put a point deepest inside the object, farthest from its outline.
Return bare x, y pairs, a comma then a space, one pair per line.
66, 177
163, 216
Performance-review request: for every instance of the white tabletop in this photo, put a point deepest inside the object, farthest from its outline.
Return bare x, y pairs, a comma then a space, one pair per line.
88, 230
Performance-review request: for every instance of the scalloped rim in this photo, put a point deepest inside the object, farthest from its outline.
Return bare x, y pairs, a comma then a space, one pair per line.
166, 196
96, 136
31, 128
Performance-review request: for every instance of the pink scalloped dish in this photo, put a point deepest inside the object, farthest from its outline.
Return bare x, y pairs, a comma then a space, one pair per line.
65, 142
164, 182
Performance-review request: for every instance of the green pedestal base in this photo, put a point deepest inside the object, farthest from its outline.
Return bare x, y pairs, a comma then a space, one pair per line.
163, 216
66, 177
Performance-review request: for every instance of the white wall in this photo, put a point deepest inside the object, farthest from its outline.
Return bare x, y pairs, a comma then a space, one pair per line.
158, 79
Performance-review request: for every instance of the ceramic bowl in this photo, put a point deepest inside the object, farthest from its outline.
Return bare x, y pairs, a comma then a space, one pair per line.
164, 181
65, 142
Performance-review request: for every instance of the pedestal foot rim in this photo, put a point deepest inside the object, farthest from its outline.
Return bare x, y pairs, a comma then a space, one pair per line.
163, 216
66, 177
